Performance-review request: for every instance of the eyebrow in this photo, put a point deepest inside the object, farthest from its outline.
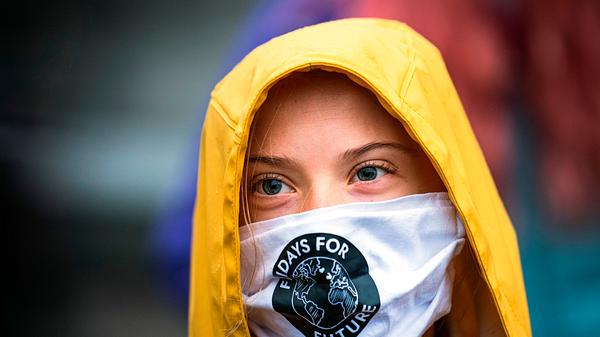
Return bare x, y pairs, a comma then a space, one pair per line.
273, 161
359, 151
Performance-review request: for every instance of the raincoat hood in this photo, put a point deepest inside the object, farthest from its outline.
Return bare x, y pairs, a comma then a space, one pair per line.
408, 76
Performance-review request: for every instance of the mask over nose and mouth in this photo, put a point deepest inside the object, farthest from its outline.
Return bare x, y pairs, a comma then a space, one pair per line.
368, 269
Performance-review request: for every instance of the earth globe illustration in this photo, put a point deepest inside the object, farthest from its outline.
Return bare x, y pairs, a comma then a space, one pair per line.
324, 294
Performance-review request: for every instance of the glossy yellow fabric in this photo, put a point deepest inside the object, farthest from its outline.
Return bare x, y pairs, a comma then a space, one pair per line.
408, 75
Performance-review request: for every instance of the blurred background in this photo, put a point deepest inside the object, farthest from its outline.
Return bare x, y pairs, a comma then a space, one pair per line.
102, 104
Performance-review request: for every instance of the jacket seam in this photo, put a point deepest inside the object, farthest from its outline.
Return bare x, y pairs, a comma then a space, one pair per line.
221, 111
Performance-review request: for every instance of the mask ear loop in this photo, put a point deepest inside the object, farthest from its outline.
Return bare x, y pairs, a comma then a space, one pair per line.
246, 220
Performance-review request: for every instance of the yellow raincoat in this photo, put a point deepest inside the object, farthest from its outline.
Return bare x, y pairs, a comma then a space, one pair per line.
408, 76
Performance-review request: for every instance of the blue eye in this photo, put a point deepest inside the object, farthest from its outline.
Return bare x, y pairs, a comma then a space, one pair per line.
369, 173
272, 187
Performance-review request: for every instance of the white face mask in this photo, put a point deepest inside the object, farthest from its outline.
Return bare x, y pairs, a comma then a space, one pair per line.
368, 269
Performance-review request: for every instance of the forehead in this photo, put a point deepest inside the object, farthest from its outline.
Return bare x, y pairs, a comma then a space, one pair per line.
325, 105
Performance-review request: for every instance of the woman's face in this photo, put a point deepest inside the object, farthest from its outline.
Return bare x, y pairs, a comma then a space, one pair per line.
321, 140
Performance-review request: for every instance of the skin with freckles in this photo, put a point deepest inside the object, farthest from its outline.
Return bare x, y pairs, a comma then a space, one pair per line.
321, 140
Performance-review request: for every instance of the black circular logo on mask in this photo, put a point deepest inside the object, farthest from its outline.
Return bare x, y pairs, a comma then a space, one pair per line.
324, 286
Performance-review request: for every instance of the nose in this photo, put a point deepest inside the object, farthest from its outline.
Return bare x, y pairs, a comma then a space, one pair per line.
321, 195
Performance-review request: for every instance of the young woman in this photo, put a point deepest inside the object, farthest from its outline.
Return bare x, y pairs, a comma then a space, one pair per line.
342, 193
